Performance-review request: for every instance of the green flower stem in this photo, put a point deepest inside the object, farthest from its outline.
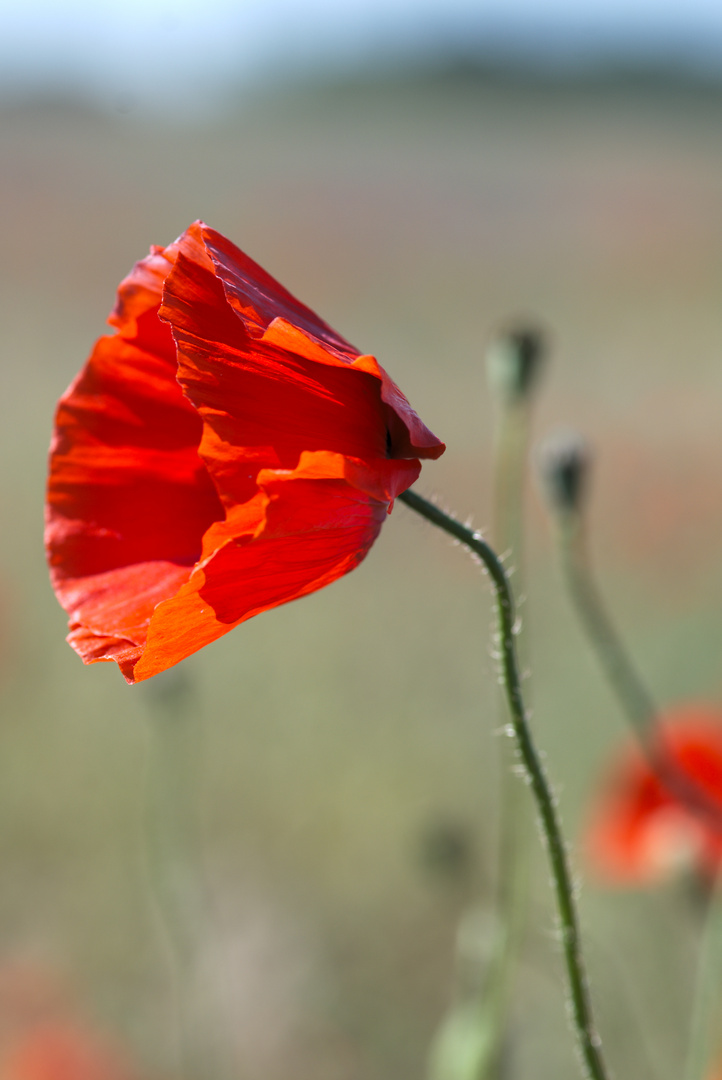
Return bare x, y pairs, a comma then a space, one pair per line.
636, 702
642, 713
512, 436
581, 1012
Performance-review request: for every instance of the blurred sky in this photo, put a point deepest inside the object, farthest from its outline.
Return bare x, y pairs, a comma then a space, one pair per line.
182, 55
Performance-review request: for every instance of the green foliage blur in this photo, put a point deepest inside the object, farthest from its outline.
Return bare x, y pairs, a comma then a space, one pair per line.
347, 763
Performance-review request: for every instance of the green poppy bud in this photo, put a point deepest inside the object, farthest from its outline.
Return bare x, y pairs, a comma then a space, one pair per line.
514, 358
564, 460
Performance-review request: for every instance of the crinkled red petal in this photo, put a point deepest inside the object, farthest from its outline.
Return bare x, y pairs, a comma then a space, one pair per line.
269, 311
262, 406
307, 387
258, 298
129, 499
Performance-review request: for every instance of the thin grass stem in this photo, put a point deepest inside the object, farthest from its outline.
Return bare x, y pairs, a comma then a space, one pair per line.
704, 1020
176, 884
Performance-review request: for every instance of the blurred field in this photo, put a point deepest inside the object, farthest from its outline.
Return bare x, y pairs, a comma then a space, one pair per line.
340, 735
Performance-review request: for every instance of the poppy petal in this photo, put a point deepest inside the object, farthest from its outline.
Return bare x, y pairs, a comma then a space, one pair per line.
258, 299
264, 303
347, 405
409, 436
256, 395
128, 497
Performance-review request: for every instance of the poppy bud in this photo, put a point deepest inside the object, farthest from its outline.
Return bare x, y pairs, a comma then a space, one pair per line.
513, 361
564, 460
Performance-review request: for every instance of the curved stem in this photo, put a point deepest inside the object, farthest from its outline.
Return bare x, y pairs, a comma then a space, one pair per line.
581, 1012
633, 696
631, 692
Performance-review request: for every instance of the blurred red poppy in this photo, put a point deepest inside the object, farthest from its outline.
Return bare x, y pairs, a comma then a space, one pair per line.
716, 1073
638, 831
224, 452
61, 1051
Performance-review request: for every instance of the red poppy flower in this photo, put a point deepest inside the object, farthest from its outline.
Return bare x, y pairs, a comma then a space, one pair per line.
638, 830
224, 452
61, 1051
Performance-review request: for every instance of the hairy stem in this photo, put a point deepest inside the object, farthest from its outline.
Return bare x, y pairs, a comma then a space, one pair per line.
581, 1012
510, 455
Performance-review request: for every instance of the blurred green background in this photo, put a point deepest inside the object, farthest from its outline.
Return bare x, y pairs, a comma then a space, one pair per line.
348, 742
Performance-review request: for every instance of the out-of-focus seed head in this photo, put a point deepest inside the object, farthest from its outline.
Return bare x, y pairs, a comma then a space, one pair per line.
563, 460
514, 359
